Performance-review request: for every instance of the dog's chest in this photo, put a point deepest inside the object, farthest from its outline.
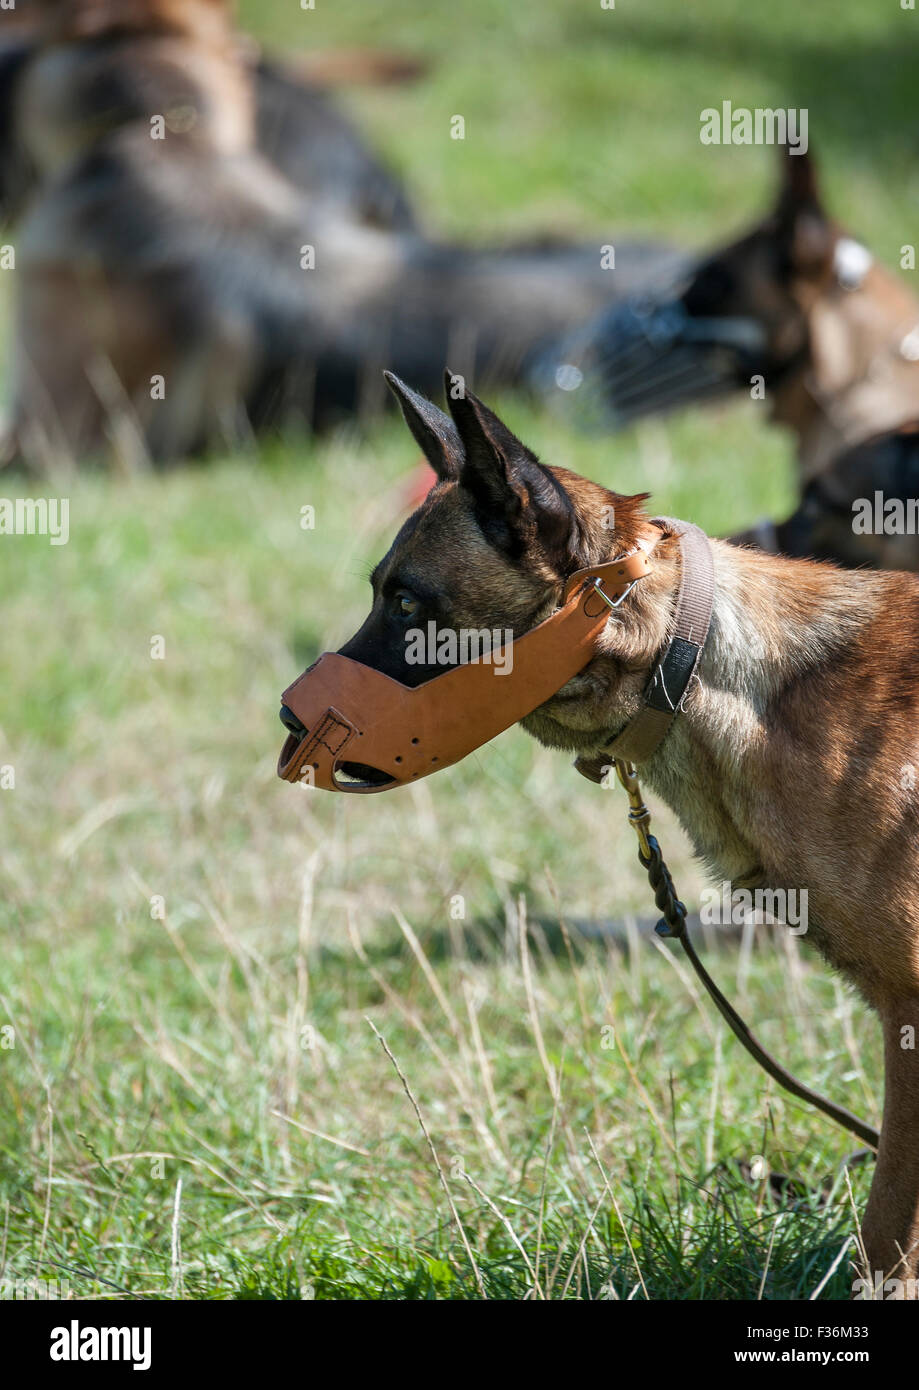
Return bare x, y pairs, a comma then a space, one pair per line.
712, 811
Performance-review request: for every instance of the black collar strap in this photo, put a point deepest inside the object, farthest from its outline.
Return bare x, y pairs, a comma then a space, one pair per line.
675, 665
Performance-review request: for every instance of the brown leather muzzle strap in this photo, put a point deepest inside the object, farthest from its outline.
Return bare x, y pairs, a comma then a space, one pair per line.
675, 665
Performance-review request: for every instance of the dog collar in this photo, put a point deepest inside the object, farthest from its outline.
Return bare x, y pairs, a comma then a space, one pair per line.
393, 734
675, 664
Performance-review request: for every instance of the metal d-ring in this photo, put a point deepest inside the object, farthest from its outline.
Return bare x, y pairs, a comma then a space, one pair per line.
613, 602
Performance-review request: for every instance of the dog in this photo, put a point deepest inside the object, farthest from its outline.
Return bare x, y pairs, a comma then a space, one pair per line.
808, 678
299, 128
863, 511
796, 310
105, 302
180, 293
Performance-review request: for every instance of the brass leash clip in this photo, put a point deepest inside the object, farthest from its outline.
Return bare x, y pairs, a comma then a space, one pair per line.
639, 815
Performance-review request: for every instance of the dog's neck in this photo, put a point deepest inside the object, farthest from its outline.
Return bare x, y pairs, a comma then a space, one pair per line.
776, 625
862, 379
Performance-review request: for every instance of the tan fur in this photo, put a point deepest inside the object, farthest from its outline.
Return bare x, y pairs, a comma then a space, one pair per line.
858, 383
61, 21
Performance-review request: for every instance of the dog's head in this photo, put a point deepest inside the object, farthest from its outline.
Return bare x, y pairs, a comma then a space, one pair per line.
742, 313
104, 65
485, 558
849, 513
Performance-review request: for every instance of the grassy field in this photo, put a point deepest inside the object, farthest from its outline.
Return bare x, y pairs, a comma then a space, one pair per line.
198, 960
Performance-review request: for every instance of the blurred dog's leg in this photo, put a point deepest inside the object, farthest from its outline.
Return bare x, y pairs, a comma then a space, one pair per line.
120, 368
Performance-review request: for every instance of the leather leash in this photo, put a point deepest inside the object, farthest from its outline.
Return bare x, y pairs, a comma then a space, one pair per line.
642, 735
673, 924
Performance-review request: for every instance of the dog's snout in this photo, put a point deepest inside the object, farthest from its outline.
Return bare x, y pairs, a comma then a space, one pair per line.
291, 722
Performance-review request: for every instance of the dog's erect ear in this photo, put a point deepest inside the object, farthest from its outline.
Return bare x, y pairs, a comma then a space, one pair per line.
435, 432
517, 500
799, 187
807, 235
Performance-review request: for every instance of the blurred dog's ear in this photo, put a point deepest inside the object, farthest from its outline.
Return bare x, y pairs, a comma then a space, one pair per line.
799, 186
435, 432
807, 234
517, 500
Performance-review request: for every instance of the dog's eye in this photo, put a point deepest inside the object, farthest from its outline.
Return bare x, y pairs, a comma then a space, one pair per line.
405, 604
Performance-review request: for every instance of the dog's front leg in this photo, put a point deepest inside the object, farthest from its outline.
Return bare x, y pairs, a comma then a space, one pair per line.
891, 1226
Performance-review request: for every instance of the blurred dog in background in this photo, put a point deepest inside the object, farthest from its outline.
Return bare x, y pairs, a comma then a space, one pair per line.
190, 269
832, 336
298, 127
850, 513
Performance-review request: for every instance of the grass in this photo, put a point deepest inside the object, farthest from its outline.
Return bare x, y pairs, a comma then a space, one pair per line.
196, 957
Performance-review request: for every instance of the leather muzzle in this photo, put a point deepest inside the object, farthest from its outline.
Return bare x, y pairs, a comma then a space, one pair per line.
392, 734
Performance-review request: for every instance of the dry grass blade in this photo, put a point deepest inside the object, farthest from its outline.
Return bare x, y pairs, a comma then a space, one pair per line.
537, 1288
531, 999
612, 1195
440, 1172
318, 1134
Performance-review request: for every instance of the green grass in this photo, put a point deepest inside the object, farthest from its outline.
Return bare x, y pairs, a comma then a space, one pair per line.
229, 1045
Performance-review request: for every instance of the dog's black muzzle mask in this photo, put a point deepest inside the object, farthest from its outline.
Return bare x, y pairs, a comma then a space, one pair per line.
646, 356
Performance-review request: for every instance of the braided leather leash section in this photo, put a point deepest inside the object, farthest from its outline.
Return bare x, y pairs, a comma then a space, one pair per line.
673, 924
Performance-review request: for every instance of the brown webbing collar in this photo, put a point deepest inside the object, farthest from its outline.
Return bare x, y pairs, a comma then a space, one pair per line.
674, 666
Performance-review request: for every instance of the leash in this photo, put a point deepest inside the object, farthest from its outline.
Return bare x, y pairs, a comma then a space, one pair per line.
673, 925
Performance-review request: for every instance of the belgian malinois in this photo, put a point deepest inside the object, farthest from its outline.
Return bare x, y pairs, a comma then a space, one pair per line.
793, 760
800, 310
182, 290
